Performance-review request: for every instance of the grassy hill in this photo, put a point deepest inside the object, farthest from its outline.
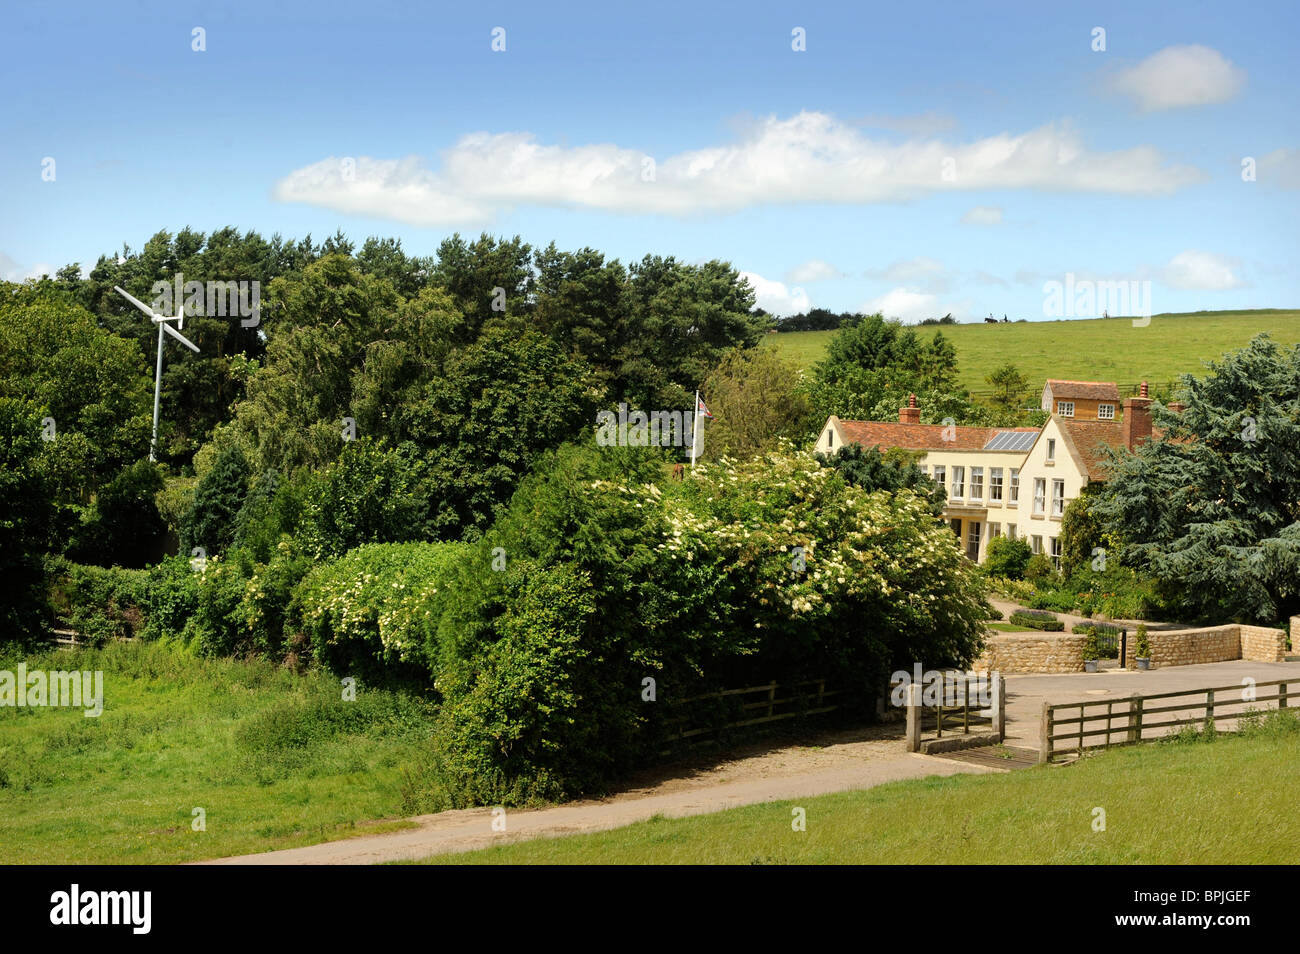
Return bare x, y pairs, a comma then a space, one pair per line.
1099, 349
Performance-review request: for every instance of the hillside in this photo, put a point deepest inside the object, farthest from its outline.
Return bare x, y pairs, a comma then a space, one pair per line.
1109, 349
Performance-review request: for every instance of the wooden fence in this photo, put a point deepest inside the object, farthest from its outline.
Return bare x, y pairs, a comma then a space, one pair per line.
1138, 718
757, 705
956, 703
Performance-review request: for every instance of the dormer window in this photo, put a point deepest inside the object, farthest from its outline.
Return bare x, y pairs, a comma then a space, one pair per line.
1065, 408
1105, 412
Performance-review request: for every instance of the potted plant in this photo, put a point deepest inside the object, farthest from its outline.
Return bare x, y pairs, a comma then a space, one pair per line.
1091, 650
1142, 647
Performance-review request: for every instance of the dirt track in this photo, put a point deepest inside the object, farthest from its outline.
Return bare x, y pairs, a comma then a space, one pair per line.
857, 759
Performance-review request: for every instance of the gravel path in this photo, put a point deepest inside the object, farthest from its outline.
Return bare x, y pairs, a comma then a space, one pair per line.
846, 760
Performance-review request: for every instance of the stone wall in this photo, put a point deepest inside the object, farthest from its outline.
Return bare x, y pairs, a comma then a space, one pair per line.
1264, 644
1050, 652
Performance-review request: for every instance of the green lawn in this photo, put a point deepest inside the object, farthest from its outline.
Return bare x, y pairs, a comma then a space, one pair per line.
1230, 801
276, 760
1092, 350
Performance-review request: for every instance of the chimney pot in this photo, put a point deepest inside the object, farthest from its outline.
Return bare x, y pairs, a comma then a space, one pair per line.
910, 414
1142, 391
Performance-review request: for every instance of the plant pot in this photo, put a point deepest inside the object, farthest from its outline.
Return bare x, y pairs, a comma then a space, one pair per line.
1144, 662
1090, 665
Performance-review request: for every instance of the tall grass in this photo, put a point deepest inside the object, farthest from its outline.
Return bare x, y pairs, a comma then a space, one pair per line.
273, 759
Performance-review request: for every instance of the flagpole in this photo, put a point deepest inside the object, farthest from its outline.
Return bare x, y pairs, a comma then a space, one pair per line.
695, 427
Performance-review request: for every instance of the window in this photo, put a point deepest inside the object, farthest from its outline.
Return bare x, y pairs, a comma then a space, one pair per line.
1056, 552
958, 482
995, 530
1040, 495
1051, 448
1013, 495
1058, 498
995, 485
1065, 408
977, 483
1037, 545
830, 437
973, 540
939, 476
1105, 412
1011, 531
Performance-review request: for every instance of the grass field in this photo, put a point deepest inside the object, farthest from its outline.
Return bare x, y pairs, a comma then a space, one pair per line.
274, 759
1108, 349
1229, 801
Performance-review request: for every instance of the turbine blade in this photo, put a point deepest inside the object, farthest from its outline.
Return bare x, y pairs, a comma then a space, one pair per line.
137, 302
178, 336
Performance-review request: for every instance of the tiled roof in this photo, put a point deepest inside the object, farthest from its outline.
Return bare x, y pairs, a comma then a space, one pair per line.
921, 436
1091, 440
1084, 390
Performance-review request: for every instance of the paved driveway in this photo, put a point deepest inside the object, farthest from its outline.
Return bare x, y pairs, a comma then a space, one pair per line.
1027, 693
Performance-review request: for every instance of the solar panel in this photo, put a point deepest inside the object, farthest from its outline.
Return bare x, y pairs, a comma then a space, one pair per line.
1012, 440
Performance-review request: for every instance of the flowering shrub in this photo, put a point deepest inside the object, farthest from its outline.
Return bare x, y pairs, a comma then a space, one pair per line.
373, 606
772, 569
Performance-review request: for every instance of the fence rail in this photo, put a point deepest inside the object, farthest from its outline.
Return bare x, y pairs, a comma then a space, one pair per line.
1129, 721
800, 699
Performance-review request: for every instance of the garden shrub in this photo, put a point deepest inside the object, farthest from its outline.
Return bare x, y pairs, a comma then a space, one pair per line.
99, 603
1060, 601
1034, 619
1007, 558
1039, 570
375, 606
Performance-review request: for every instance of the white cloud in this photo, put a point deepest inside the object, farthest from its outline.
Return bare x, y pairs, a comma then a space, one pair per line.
983, 215
813, 270
924, 124
1281, 167
926, 273
1181, 76
775, 297
1200, 271
808, 158
13, 271
906, 303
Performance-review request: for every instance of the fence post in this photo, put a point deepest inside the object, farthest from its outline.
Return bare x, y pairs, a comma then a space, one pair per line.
1045, 751
1281, 695
1123, 650
1209, 711
1135, 718
999, 706
913, 704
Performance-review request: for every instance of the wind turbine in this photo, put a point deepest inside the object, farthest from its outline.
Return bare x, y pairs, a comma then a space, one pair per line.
163, 328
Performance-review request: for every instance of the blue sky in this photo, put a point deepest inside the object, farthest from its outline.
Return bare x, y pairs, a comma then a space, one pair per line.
915, 159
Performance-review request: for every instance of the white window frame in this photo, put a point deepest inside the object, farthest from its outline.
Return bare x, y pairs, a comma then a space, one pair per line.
941, 475
1105, 412
1065, 408
1036, 544
995, 485
1054, 547
995, 529
1051, 448
1011, 531
1013, 489
957, 490
1058, 498
977, 483
1040, 496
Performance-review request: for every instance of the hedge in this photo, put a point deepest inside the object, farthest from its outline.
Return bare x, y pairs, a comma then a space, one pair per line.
1036, 619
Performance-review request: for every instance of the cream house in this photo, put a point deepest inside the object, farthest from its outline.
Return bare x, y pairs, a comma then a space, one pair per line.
1012, 481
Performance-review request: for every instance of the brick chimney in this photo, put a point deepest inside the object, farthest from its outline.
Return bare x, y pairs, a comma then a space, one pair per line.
1137, 418
910, 414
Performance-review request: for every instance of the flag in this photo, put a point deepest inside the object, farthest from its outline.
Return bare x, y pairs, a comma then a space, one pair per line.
702, 409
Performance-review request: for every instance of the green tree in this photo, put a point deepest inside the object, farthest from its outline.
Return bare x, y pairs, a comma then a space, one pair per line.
218, 499
1009, 387
755, 399
25, 512
1211, 507
869, 469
